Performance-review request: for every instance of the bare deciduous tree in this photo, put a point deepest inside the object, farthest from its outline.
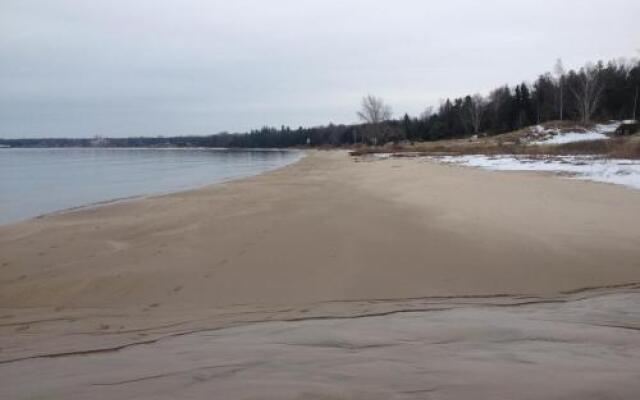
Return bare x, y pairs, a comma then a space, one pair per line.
374, 110
476, 108
635, 104
587, 91
559, 71
426, 114
635, 99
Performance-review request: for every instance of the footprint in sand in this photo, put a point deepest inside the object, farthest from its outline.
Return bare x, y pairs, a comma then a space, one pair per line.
222, 262
117, 245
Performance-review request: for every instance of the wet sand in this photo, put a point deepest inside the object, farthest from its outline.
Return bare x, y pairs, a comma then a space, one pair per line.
326, 237
571, 347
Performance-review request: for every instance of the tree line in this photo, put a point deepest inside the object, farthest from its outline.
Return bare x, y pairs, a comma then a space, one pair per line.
594, 92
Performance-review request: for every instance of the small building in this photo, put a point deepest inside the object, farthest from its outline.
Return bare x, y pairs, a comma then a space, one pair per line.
98, 141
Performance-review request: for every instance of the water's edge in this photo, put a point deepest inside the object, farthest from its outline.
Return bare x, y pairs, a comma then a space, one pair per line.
299, 155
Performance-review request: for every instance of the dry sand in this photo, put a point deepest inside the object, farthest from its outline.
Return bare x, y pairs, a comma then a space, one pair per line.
325, 237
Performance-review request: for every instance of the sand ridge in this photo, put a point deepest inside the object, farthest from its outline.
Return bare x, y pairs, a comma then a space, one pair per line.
584, 345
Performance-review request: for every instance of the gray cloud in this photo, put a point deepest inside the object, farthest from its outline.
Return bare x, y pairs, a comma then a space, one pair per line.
148, 67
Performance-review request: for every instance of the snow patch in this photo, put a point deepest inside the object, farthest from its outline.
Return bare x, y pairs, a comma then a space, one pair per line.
572, 137
383, 156
609, 127
617, 171
555, 136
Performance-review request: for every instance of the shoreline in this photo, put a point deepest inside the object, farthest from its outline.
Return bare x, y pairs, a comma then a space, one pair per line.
103, 203
324, 236
107, 202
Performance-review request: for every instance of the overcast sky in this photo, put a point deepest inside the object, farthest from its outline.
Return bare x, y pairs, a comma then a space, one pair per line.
152, 67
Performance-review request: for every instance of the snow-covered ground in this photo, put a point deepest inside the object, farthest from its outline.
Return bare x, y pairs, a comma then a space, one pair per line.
616, 171
554, 136
570, 137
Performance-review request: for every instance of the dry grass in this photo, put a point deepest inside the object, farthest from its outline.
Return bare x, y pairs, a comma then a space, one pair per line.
515, 143
620, 147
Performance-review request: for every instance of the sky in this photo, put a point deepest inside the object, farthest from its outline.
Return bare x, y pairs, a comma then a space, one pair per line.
166, 67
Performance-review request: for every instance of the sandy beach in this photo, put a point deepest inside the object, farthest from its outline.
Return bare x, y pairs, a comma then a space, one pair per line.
329, 238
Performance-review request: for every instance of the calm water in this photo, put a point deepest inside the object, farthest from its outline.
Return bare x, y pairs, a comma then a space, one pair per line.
39, 181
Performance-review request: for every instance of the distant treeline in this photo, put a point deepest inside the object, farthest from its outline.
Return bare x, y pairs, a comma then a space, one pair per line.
594, 92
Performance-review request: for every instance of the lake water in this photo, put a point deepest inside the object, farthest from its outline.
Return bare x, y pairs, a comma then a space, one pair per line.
40, 181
